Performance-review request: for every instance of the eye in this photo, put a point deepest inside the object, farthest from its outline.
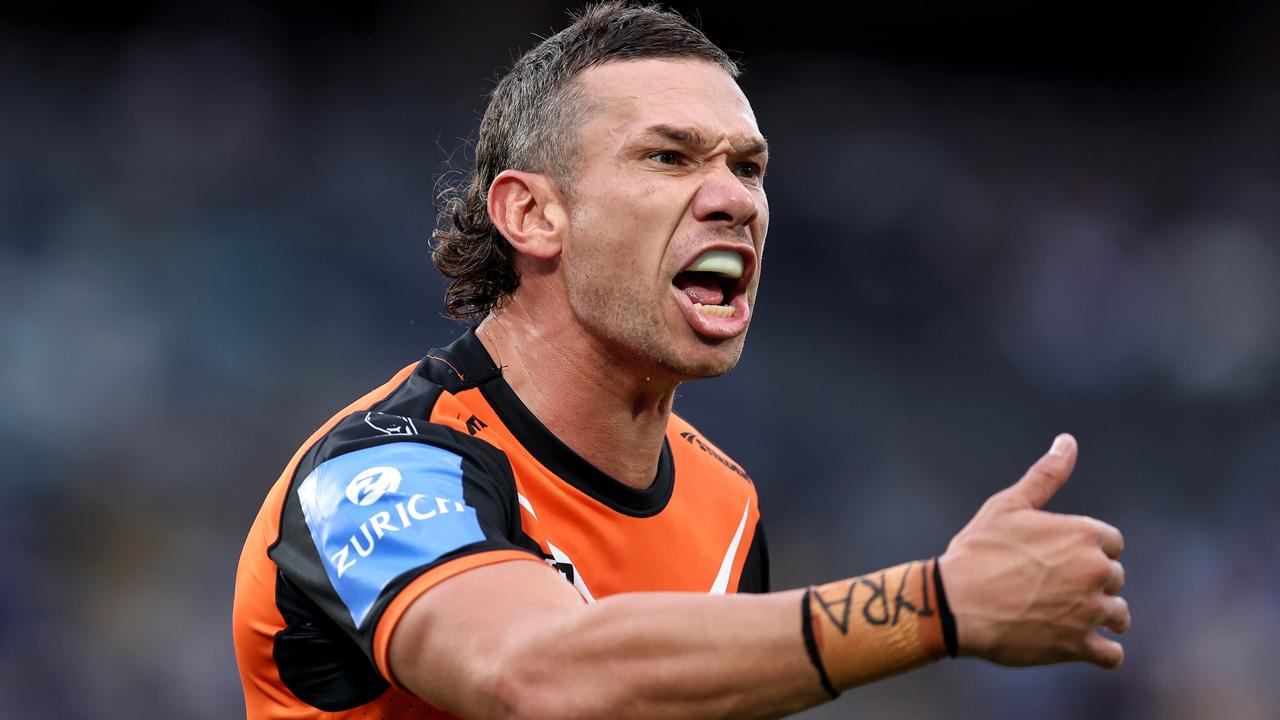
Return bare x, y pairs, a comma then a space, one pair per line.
749, 170
666, 157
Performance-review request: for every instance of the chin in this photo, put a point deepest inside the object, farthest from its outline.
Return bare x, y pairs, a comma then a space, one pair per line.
653, 345
711, 359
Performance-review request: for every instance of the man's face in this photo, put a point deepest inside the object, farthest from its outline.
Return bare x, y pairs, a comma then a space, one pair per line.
668, 216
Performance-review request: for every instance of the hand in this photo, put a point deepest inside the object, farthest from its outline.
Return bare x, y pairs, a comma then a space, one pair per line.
1029, 587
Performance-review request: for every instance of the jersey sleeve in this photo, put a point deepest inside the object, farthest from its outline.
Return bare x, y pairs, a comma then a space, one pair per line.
369, 512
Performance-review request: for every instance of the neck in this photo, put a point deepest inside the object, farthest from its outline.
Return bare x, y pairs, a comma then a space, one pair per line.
605, 412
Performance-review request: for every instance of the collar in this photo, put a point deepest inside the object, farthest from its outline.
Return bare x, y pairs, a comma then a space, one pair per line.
465, 364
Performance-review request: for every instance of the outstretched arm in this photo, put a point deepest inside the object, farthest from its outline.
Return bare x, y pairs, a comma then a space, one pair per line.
514, 640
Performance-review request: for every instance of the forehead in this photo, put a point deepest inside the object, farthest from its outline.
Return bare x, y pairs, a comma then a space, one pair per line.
630, 96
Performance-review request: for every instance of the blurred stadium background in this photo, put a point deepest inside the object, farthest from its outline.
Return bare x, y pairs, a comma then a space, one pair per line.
993, 221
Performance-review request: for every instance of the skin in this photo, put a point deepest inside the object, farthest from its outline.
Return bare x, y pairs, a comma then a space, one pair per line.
596, 309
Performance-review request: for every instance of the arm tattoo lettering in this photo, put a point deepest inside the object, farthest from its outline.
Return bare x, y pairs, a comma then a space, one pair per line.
875, 625
837, 600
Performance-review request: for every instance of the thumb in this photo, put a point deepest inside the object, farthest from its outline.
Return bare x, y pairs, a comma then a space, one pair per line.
1048, 474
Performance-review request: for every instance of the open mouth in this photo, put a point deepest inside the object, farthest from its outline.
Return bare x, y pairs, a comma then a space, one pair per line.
712, 293
713, 282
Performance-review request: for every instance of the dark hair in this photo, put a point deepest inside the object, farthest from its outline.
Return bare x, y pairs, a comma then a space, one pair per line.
531, 124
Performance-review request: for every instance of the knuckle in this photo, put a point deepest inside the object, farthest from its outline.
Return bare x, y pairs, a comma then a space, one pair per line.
1094, 609
1101, 570
1044, 475
1087, 530
1115, 655
1007, 496
1097, 570
1082, 648
1104, 653
1117, 576
1122, 608
1118, 617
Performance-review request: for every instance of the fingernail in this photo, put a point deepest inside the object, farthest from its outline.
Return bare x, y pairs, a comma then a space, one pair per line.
1059, 446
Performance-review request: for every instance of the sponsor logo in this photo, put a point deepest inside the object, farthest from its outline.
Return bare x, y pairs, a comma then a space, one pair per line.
475, 425
379, 512
365, 540
390, 424
369, 486
697, 442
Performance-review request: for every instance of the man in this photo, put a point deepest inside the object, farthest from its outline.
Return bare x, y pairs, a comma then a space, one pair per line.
519, 526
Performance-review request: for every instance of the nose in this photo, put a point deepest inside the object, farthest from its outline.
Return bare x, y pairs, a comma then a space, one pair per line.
723, 198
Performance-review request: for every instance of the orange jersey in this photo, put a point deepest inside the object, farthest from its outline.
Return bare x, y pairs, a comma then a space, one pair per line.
441, 470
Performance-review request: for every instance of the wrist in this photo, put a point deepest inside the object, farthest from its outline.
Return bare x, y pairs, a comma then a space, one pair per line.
950, 633
865, 628
970, 623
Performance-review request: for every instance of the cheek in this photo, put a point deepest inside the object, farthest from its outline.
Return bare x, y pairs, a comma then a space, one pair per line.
608, 263
622, 238
761, 224
622, 224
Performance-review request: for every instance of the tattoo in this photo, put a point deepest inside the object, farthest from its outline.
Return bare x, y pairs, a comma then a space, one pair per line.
842, 622
900, 626
838, 600
901, 601
877, 593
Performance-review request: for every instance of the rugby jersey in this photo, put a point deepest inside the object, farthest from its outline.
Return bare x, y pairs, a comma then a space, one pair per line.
440, 470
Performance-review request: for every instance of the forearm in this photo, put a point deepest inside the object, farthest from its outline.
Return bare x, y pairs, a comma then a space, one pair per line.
672, 655
540, 652
692, 655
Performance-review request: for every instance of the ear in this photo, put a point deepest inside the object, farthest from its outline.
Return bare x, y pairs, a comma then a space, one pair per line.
529, 212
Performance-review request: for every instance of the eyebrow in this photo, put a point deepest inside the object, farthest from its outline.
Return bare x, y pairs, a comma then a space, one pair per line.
690, 137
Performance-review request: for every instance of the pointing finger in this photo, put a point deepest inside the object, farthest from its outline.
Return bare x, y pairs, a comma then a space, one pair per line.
1048, 474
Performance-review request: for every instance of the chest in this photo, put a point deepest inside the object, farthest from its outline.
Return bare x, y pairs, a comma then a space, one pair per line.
694, 542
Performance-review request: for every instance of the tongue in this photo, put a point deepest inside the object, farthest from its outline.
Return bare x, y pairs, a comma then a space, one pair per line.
700, 287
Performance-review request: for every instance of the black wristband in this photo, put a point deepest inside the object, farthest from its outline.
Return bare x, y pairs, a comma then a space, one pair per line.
811, 645
944, 612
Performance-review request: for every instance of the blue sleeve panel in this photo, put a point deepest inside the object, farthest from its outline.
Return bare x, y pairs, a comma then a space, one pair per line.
379, 512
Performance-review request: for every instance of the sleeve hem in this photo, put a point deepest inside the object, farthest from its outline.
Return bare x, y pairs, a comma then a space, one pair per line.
424, 582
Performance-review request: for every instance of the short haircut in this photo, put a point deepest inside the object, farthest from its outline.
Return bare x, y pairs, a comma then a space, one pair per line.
532, 123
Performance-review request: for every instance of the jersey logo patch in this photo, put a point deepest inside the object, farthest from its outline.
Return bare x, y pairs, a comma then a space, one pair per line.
377, 513
390, 424
370, 485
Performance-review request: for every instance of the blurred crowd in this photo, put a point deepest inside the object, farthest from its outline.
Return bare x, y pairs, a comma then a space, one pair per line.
213, 235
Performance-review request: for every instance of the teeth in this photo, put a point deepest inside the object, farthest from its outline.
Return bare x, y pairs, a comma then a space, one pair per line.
724, 311
721, 262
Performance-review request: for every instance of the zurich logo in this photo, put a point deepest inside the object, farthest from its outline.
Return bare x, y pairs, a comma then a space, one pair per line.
370, 485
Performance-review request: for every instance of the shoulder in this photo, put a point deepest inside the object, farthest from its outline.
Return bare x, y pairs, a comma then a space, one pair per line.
413, 423
387, 490
419, 405
385, 499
